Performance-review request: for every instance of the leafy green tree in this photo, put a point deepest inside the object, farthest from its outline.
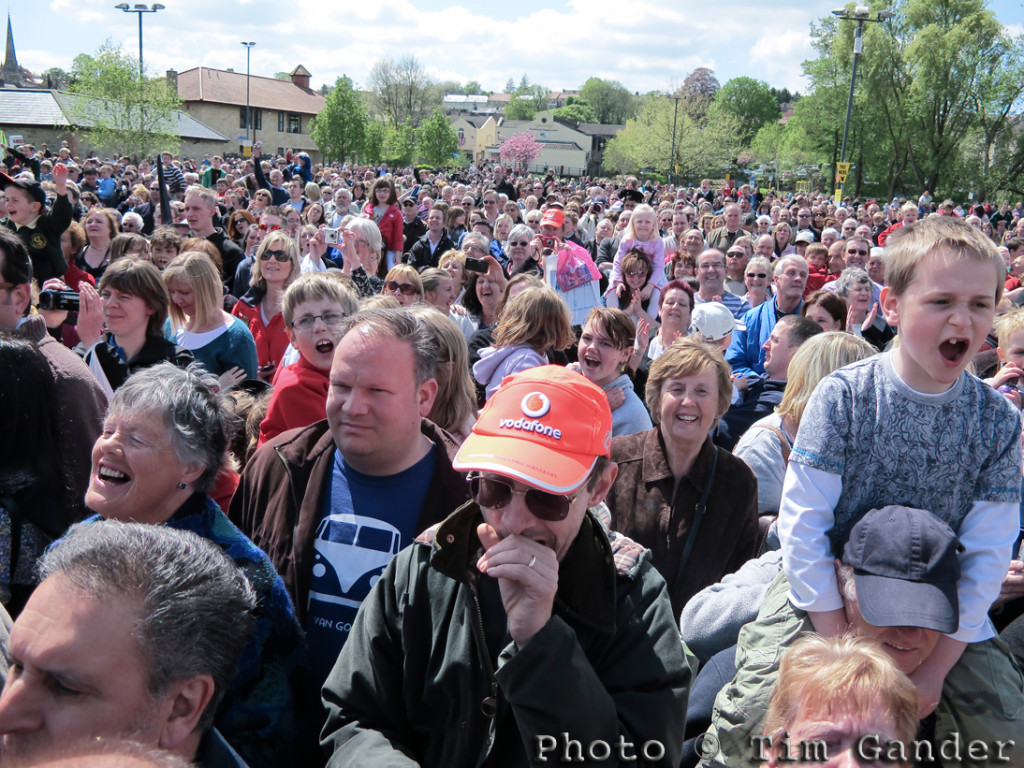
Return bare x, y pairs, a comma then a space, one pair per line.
473, 88
576, 111
339, 129
373, 143
510, 85
613, 104
399, 144
751, 102
436, 140
119, 112
520, 109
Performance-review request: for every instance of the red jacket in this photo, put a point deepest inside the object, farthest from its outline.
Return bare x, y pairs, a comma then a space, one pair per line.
299, 399
271, 340
391, 226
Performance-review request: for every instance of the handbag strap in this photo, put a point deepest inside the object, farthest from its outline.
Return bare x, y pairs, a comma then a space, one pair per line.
783, 438
698, 514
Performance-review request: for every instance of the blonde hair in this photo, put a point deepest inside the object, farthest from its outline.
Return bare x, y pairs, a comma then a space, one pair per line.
689, 356
278, 240
628, 233
409, 273
197, 271
909, 246
455, 403
317, 286
816, 359
538, 318
831, 676
1009, 325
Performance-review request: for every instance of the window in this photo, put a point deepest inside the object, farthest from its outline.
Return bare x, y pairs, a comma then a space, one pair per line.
280, 122
294, 123
257, 118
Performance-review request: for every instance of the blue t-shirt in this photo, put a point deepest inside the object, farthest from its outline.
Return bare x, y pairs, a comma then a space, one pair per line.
364, 521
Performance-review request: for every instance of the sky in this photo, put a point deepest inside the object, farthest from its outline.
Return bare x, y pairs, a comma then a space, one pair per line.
644, 44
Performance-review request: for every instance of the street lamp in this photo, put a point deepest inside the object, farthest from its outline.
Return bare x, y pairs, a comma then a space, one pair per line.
248, 112
139, 9
860, 14
675, 115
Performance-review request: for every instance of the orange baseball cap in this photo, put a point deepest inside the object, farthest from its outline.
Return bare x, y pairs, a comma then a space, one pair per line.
545, 426
553, 216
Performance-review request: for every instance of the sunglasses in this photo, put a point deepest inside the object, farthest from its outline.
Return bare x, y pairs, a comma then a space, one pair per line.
393, 286
268, 254
736, 255
520, 243
496, 494
858, 252
762, 275
271, 227
636, 273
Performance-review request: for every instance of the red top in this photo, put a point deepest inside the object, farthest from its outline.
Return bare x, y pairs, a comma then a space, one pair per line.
391, 226
298, 400
271, 340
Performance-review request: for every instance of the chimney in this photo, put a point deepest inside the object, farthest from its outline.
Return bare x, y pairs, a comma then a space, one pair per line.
300, 77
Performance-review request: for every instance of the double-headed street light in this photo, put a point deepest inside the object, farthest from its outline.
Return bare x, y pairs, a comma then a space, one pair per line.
860, 14
248, 111
140, 9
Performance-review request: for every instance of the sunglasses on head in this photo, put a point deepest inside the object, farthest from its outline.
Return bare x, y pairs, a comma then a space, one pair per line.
396, 287
271, 227
268, 254
493, 493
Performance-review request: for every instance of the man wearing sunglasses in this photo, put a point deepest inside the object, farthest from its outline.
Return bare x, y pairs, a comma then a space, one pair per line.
520, 625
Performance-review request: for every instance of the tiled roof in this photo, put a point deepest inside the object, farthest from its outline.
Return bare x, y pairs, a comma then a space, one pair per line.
218, 86
51, 108
597, 129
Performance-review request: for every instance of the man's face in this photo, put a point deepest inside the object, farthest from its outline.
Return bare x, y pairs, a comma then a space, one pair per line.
374, 405
490, 203
711, 270
876, 269
693, 240
908, 646
735, 262
764, 247
778, 353
679, 225
789, 286
803, 218
732, 217
857, 252
76, 673
550, 230
435, 222
14, 300
296, 188
516, 519
198, 213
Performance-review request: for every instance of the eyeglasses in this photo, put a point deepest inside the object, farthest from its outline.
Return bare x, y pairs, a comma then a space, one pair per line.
271, 227
520, 243
852, 251
712, 265
636, 273
268, 254
736, 254
476, 248
496, 494
330, 319
393, 286
762, 275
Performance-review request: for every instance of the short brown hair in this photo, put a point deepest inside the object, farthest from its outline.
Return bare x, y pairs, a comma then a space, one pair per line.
142, 279
538, 318
690, 356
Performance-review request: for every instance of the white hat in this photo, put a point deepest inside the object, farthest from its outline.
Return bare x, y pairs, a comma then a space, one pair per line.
713, 321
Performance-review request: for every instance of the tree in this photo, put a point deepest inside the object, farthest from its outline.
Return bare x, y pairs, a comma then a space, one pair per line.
612, 103
521, 148
282, 76
519, 109
56, 78
402, 91
576, 111
751, 102
510, 85
436, 140
473, 88
698, 91
119, 112
339, 129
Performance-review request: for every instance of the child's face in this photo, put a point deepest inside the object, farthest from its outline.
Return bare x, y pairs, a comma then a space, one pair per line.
316, 344
105, 173
1014, 351
643, 226
943, 318
163, 256
21, 209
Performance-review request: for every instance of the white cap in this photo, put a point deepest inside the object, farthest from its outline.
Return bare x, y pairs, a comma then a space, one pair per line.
713, 321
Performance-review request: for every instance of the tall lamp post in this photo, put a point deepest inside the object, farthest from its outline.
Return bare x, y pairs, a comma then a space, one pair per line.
248, 111
140, 9
860, 14
675, 115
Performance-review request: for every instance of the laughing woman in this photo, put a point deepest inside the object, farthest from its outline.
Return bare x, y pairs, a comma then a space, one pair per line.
132, 303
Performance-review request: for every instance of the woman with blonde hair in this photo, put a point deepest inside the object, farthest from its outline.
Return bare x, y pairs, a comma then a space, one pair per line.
403, 282
531, 324
765, 447
275, 266
221, 342
454, 408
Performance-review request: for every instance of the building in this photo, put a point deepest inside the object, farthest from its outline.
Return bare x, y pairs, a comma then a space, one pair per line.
564, 148
48, 117
11, 73
281, 110
599, 136
476, 134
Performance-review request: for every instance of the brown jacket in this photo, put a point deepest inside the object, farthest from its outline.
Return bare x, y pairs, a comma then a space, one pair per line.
645, 508
277, 503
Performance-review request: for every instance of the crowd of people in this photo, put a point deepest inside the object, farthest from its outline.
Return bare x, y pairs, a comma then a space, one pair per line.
319, 464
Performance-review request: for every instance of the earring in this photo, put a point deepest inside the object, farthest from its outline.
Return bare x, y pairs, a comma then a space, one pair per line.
182, 485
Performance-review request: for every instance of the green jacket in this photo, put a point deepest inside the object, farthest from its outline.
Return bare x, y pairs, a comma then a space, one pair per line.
414, 683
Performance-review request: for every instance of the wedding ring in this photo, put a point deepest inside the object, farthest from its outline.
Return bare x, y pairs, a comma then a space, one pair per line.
533, 561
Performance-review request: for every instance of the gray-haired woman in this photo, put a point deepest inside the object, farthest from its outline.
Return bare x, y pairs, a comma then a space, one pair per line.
158, 460
521, 252
863, 319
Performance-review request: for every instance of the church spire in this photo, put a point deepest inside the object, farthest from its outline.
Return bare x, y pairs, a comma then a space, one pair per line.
10, 58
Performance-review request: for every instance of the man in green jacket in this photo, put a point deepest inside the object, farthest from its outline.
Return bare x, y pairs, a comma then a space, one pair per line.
519, 631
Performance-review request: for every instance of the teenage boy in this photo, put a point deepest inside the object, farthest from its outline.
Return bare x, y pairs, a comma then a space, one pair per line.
38, 228
910, 426
313, 308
